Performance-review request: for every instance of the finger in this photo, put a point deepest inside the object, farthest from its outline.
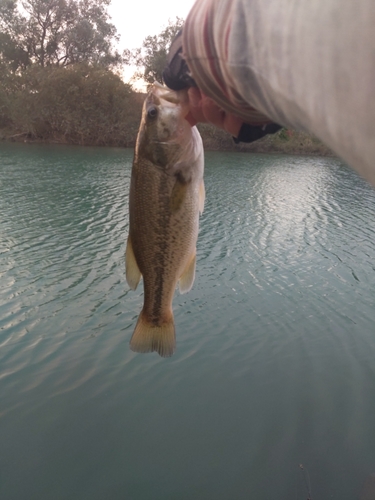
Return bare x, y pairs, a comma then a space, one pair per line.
203, 109
191, 119
212, 112
220, 118
195, 105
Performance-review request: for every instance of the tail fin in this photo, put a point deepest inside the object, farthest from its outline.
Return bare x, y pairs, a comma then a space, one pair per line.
148, 337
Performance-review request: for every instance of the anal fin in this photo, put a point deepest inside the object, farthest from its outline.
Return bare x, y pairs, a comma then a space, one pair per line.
133, 274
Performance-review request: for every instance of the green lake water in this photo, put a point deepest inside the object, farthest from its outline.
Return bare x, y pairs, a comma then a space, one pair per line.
275, 360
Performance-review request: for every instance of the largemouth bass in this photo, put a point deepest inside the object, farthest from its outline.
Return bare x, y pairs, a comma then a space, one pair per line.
166, 196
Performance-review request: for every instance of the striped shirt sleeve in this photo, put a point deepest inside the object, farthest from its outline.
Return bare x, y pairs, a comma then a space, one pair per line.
306, 64
205, 41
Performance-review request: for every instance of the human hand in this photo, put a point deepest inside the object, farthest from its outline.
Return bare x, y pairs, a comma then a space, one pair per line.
203, 109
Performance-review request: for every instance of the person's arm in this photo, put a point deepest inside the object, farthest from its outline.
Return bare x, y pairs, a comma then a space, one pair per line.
305, 65
203, 109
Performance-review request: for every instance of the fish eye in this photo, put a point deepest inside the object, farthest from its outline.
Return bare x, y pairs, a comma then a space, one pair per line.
152, 112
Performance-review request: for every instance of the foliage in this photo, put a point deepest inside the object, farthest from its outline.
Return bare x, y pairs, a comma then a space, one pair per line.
79, 104
56, 32
55, 78
151, 58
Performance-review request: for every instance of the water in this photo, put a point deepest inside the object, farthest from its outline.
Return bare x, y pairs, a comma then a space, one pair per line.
275, 343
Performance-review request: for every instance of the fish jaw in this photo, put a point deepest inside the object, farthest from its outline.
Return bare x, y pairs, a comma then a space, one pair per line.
164, 133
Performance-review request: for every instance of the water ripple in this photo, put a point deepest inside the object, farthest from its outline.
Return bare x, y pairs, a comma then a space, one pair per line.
275, 342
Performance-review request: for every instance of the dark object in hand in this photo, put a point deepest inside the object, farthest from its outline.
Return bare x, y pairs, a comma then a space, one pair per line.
176, 74
251, 133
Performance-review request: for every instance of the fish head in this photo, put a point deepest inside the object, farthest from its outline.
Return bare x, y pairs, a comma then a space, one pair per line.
164, 133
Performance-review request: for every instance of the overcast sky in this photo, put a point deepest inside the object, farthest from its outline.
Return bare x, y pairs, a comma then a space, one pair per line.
136, 19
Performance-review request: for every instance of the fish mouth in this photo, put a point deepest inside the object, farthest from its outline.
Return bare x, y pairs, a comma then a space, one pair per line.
170, 97
169, 118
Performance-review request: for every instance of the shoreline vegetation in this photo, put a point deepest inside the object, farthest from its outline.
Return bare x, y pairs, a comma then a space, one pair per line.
91, 106
284, 142
60, 80
298, 143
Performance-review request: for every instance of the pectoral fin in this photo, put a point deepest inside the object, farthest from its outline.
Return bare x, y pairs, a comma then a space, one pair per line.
187, 278
178, 195
202, 197
133, 274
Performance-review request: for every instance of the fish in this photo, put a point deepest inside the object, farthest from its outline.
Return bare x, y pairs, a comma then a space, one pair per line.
166, 198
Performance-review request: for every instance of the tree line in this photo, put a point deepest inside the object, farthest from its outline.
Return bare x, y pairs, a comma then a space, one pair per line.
59, 74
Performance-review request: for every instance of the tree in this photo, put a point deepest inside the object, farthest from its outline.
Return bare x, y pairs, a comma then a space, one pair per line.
56, 32
151, 58
80, 103
12, 25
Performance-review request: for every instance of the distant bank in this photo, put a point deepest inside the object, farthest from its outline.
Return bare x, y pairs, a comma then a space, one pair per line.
87, 117
284, 142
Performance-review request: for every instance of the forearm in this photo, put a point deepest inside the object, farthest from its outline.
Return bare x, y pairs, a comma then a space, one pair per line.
206, 37
307, 65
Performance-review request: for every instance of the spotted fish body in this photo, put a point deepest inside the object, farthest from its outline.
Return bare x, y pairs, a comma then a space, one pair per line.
166, 196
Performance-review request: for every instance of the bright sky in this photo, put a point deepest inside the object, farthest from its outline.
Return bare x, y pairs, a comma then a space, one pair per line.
136, 19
